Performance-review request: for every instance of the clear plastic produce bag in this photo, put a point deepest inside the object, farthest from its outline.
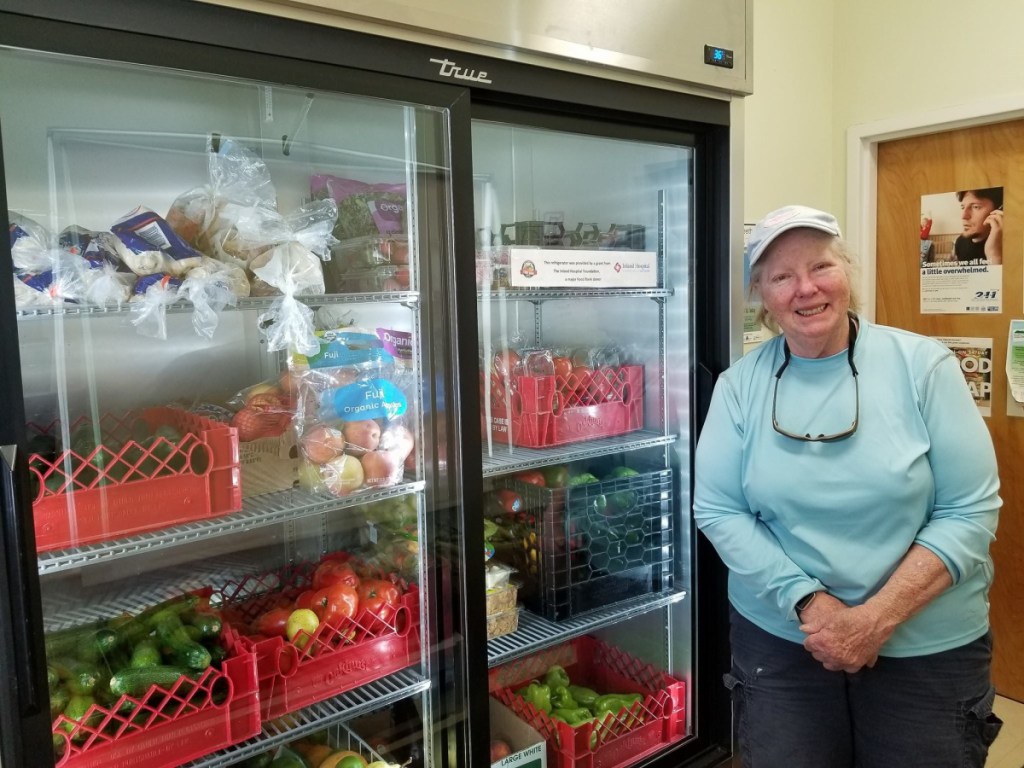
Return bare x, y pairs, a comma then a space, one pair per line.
151, 296
212, 287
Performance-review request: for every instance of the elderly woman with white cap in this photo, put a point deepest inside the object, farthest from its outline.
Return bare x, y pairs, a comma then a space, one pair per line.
849, 484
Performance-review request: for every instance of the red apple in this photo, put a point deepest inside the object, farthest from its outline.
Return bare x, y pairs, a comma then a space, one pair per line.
499, 750
361, 436
382, 468
397, 440
396, 251
322, 443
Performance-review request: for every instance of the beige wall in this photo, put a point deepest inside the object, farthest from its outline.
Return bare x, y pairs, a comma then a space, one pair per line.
788, 120
820, 68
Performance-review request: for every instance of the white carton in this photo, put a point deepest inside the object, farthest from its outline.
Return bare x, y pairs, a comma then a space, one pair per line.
529, 749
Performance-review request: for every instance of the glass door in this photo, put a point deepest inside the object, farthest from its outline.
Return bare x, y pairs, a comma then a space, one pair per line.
244, 488
584, 240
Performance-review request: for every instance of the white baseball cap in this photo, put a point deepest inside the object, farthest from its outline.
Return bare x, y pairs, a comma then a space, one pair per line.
785, 219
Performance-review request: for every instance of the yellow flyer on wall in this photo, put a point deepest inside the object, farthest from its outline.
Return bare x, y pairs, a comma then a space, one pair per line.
961, 252
579, 268
975, 358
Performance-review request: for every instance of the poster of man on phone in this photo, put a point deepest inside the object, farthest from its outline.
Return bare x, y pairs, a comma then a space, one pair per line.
961, 253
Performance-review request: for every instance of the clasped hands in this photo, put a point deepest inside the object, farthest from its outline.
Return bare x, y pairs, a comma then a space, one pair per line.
842, 637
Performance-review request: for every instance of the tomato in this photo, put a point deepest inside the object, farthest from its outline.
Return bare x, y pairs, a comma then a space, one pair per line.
334, 572
272, 622
305, 600
380, 597
563, 368
510, 501
583, 375
335, 603
531, 476
603, 385
506, 363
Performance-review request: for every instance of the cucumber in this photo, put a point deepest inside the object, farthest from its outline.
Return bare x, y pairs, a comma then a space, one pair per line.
97, 645
184, 650
208, 624
59, 699
52, 679
76, 711
81, 677
145, 654
65, 642
135, 682
218, 653
142, 624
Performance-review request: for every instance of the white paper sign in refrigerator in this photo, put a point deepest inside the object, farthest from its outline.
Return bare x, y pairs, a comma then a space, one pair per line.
576, 268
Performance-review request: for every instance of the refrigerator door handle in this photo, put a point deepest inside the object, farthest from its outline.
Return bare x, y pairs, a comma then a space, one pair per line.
17, 604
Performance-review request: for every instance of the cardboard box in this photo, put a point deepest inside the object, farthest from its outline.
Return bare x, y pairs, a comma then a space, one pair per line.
269, 464
528, 747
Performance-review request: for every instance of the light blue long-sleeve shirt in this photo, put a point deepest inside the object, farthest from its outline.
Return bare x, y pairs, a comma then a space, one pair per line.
790, 517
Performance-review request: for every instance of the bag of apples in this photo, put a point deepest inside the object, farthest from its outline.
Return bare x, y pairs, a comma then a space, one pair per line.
263, 415
353, 410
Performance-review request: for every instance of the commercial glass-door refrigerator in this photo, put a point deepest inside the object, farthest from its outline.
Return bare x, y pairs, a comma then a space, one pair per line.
349, 400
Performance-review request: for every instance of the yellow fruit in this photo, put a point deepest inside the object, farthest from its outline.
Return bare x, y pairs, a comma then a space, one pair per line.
315, 754
343, 759
301, 620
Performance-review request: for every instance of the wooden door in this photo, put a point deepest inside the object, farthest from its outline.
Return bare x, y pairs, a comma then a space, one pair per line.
973, 158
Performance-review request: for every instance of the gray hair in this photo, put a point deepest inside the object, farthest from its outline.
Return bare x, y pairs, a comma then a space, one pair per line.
839, 248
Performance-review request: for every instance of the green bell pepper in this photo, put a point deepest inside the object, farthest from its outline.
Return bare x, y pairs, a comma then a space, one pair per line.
613, 703
556, 675
585, 697
537, 694
574, 717
561, 698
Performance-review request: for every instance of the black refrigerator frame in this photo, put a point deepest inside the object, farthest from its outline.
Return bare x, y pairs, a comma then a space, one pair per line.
196, 36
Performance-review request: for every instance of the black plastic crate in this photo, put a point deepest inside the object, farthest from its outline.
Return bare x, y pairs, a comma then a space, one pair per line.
586, 547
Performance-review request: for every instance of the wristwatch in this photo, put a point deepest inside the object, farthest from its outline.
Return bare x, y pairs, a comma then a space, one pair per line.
803, 602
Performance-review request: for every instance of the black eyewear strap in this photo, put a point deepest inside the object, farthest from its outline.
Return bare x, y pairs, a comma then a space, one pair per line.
856, 414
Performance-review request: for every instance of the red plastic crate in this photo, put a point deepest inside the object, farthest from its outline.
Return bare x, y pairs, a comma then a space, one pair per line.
542, 411
168, 727
648, 727
200, 477
335, 659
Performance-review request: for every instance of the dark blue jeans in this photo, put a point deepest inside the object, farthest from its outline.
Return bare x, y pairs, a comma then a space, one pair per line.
930, 711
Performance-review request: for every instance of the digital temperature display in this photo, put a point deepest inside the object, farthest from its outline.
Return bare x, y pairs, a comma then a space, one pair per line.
717, 57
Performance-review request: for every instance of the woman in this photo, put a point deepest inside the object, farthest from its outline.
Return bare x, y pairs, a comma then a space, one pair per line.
849, 484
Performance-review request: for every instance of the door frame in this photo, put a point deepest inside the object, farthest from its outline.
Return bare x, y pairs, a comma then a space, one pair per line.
862, 142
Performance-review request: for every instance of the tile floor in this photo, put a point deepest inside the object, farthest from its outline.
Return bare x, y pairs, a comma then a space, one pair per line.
1008, 749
